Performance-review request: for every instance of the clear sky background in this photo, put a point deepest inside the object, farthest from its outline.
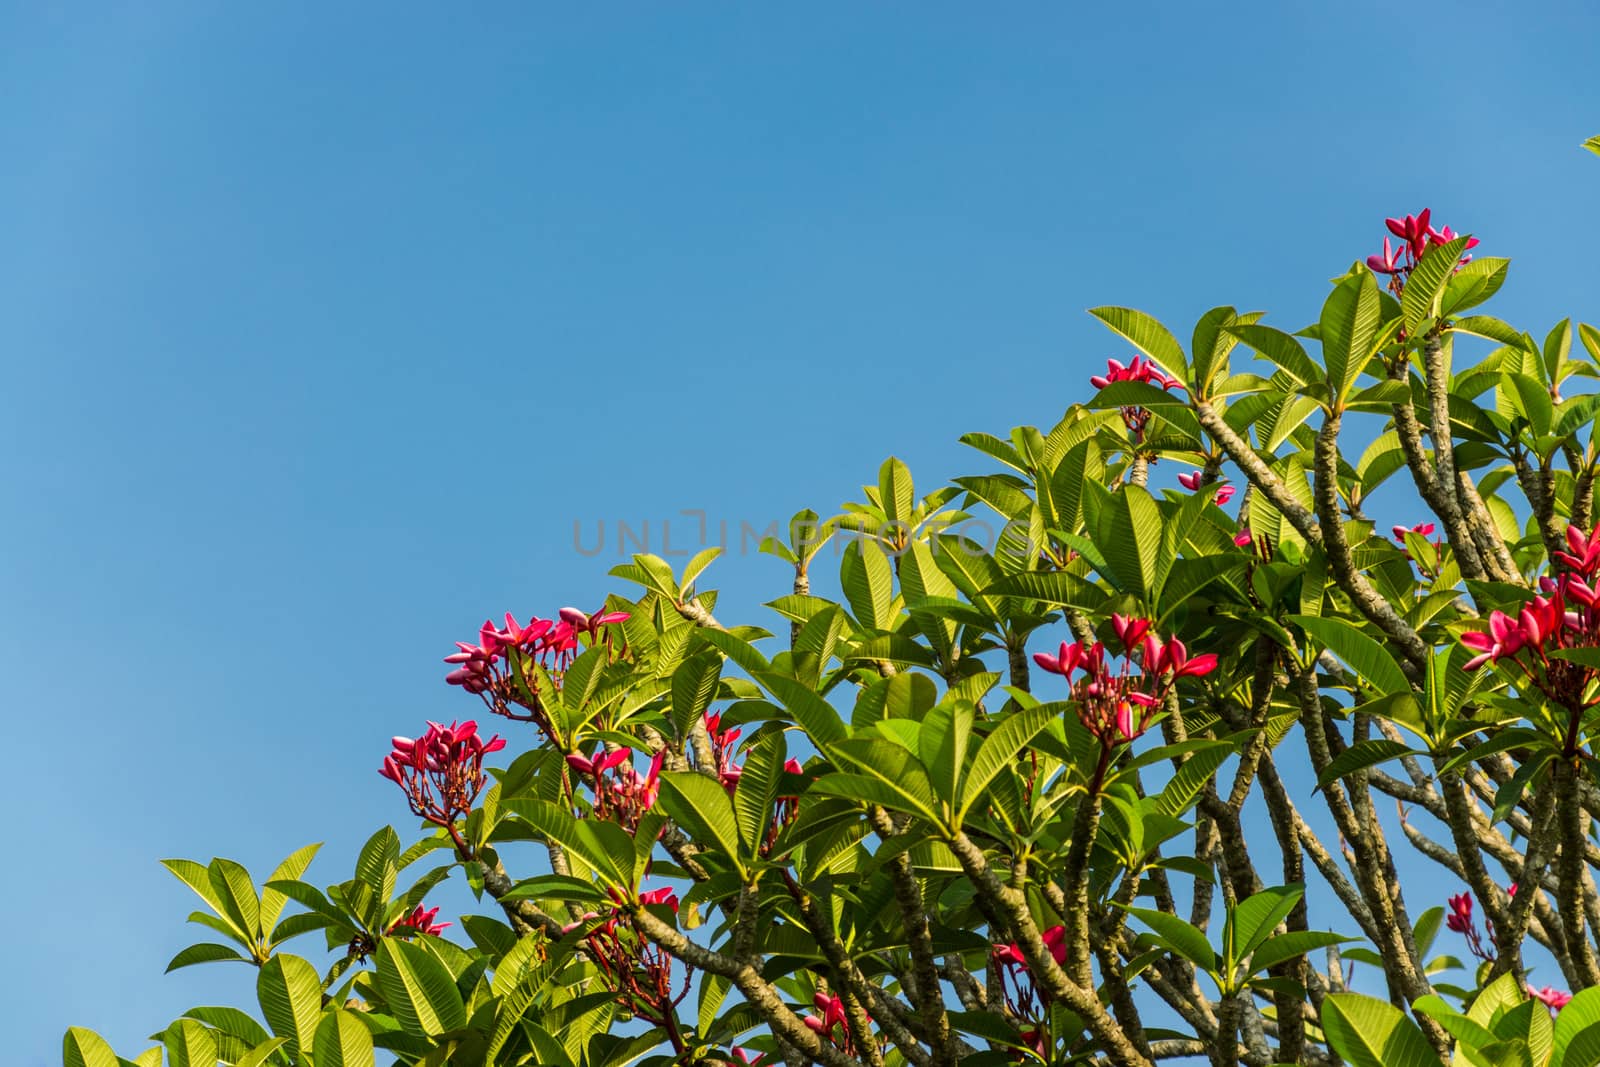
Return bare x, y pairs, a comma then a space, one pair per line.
322, 325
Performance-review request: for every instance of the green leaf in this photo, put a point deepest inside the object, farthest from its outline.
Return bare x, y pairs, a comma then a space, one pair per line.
694, 686
1587, 657
343, 1040
1350, 321
262, 1053
1425, 287
604, 846
1366, 657
379, 863
868, 584
419, 989
1000, 750
942, 748
702, 807
1147, 335
1179, 936
1256, 916
198, 878
1576, 1041
1360, 756
1130, 534
1593, 145
1469, 1032
232, 884
816, 716
1282, 349
698, 563
1534, 402
895, 491
758, 789
868, 789
1367, 1032
85, 1048
189, 1044
293, 866
205, 952
1289, 945
1187, 781
291, 999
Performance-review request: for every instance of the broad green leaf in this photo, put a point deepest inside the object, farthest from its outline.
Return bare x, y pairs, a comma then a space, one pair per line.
290, 993
1366, 657
205, 952
1578, 1021
1188, 780
816, 716
1367, 1032
868, 584
189, 1044
1000, 750
1359, 757
1281, 349
604, 846
293, 866
198, 878
1350, 321
895, 491
1256, 916
702, 807
233, 886
1147, 335
942, 749
263, 1053
342, 1040
1426, 284
753, 797
1130, 535
1179, 936
694, 685
85, 1048
419, 989
1289, 945
379, 863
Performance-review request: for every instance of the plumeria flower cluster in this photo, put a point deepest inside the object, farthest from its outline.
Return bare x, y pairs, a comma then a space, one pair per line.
419, 921
500, 667
1416, 236
1566, 614
635, 968
621, 793
1550, 997
441, 772
1140, 370
1460, 919
1023, 1000
831, 1024
1115, 704
1195, 479
723, 747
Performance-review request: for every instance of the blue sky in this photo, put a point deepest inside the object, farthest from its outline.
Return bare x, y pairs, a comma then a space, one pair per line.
322, 327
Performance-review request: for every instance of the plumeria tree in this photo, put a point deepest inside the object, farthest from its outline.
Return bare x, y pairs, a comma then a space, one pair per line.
1141, 743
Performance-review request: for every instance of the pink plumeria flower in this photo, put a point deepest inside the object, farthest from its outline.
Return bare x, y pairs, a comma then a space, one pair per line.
1422, 529
1388, 263
1504, 639
1554, 999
